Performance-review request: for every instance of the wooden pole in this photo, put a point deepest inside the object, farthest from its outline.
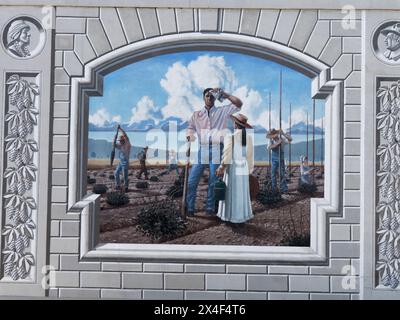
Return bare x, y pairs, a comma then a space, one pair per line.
290, 145
185, 181
322, 146
280, 124
269, 130
313, 141
307, 137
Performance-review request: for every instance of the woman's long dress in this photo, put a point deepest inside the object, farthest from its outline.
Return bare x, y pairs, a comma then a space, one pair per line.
236, 207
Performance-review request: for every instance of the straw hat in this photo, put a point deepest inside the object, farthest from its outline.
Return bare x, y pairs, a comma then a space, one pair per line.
272, 132
241, 119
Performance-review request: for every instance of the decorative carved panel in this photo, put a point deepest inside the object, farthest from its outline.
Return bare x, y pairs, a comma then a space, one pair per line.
20, 175
388, 177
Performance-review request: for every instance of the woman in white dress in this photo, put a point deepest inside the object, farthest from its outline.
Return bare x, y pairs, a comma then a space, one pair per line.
236, 165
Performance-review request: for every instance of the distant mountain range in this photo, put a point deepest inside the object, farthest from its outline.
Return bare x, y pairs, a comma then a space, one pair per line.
146, 125
101, 149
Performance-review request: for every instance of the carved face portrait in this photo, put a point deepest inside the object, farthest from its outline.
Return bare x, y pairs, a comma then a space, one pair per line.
23, 37
20, 36
392, 42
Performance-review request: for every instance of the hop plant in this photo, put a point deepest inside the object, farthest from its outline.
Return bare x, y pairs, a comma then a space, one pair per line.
99, 189
142, 185
161, 219
117, 199
154, 179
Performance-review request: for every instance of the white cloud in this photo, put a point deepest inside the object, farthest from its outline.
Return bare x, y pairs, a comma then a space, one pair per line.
145, 109
212, 72
252, 105
102, 116
185, 84
116, 118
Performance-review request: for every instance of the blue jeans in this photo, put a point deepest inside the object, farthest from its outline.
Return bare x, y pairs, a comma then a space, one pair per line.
212, 158
274, 172
122, 166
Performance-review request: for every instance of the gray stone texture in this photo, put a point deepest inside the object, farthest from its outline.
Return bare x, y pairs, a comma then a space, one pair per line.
71, 25
142, 280
248, 25
148, 20
318, 39
184, 281
302, 31
130, 23
225, 282
231, 20
97, 37
267, 283
284, 28
267, 22
112, 26
167, 20
308, 283
185, 20
208, 19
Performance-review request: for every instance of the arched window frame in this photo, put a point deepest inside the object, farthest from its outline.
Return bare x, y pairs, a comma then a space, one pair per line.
88, 206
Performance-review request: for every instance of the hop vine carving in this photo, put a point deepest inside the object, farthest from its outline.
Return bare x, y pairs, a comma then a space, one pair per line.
20, 175
388, 207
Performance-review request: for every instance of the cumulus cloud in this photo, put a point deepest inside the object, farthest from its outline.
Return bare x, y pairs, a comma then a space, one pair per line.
212, 72
102, 116
145, 109
184, 84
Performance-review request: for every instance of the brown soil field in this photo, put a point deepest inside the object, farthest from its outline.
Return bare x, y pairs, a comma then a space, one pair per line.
119, 225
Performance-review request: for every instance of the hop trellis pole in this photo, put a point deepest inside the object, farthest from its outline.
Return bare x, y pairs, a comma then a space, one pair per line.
290, 144
269, 129
280, 128
313, 141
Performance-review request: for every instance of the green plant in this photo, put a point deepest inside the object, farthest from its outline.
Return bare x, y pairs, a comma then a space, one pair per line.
294, 233
91, 180
175, 191
154, 179
99, 188
268, 196
142, 185
117, 199
307, 188
161, 219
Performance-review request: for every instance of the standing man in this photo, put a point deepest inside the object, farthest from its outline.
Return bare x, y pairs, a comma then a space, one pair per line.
278, 140
209, 125
124, 146
142, 156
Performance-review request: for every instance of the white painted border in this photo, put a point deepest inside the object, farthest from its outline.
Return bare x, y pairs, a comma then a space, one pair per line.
320, 208
250, 4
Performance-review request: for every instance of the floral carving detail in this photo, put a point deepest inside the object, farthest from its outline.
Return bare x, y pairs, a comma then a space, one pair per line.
388, 207
20, 175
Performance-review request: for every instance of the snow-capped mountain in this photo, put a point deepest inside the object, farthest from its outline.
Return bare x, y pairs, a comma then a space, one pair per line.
301, 128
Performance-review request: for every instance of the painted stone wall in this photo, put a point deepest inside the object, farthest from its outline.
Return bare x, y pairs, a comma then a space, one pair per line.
80, 35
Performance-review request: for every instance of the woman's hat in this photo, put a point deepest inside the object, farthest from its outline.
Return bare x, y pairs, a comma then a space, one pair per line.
241, 119
272, 132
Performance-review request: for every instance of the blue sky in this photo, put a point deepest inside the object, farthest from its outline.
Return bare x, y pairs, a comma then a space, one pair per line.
172, 84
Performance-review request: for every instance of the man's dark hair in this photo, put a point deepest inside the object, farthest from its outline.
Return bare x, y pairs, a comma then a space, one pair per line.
206, 90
